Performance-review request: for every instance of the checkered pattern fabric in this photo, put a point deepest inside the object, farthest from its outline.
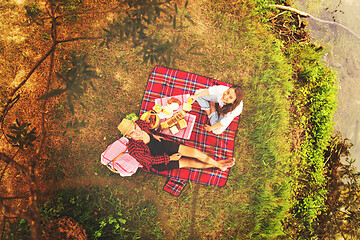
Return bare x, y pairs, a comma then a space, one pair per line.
165, 82
118, 159
189, 118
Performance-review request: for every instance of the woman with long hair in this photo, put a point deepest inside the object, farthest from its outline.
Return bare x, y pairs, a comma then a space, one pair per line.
221, 103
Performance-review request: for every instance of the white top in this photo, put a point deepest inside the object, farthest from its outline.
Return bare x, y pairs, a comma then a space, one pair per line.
218, 91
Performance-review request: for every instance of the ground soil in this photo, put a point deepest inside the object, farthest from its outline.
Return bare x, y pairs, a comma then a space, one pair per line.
23, 43
62, 159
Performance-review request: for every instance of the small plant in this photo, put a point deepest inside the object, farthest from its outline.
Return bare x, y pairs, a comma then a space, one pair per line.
18, 230
96, 209
22, 137
132, 116
179, 24
315, 101
115, 223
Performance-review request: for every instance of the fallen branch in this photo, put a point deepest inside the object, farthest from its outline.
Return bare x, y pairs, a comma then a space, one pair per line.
304, 14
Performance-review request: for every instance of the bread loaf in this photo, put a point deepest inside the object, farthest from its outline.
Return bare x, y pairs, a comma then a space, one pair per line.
182, 123
174, 120
187, 107
174, 130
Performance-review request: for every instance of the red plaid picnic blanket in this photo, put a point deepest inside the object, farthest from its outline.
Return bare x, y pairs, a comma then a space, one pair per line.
165, 82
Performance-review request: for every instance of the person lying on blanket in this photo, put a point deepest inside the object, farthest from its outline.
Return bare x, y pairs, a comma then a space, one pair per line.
222, 104
153, 151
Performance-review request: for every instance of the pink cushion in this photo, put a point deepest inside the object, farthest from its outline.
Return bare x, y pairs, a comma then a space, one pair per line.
125, 165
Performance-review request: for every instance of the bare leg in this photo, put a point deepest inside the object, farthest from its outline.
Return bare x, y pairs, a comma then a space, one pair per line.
212, 108
185, 162
202, 157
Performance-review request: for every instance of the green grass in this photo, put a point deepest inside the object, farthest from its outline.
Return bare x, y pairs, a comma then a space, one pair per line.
315, 101
105, 214
263, 187
265, 124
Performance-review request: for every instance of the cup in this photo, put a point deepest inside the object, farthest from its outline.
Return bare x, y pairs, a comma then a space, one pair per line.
190, 100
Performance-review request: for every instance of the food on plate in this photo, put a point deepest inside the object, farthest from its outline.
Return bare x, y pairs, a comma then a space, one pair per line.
161, 115
174, 120
182, 123
187, 107
167, 111
173, 100
190, 101
151, 118
174, 130
145, 116
157, 108
174, 106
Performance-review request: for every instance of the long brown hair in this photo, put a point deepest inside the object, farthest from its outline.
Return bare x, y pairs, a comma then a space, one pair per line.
231, 106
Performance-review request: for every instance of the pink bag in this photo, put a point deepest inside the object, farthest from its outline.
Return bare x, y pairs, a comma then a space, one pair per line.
118, 160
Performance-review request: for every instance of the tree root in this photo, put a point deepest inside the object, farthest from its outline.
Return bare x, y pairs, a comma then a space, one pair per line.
304, 14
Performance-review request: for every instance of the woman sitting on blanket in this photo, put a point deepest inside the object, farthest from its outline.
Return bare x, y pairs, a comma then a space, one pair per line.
222, 104
153, 151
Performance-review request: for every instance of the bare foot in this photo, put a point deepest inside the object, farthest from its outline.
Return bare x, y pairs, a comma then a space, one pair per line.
227, 163
233, 162
223, 168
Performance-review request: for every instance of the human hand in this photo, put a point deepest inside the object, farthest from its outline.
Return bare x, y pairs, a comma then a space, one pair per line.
193, 98
175, 157
208, 128
158, 137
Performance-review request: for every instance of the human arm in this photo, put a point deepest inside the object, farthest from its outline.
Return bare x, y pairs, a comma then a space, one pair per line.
203, 93
215, 126
159, 138
228, 118
216, 90
175, 157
